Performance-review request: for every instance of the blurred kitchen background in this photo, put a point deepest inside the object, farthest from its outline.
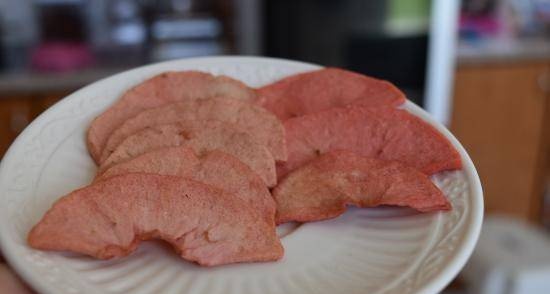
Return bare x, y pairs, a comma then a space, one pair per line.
482, 67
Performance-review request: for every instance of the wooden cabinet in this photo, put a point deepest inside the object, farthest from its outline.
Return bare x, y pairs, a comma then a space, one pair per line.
18, 110
26, 94
15, 114
501, 116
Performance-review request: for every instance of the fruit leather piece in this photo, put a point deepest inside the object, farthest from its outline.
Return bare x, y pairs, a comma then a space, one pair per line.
161, 89
265, 127
380, 132
202, 137
215, 168
111, 217
322, 188
322, 89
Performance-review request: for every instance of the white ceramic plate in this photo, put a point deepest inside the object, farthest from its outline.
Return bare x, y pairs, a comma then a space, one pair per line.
385, 250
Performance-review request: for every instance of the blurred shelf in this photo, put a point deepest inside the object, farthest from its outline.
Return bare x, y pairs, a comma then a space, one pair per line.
497, 51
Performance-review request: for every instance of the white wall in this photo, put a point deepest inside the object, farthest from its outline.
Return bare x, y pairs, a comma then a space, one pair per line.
441, 58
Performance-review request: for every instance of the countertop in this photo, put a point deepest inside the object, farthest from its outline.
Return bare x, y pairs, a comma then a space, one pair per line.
25, 82
478, 52
502, 51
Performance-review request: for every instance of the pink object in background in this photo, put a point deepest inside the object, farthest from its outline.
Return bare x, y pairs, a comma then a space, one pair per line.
61, 57
482, 25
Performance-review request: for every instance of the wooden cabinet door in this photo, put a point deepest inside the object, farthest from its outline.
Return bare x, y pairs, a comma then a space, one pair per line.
17, 111
499, 115
15, 114
42, 102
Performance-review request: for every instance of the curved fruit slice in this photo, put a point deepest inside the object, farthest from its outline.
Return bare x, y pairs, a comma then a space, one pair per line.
322, 188
322, 89
214, 168
161, 89
202, 137
110, 218
381, 132
260, 123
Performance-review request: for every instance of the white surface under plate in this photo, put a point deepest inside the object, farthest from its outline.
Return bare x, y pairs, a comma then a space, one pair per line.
382, 250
